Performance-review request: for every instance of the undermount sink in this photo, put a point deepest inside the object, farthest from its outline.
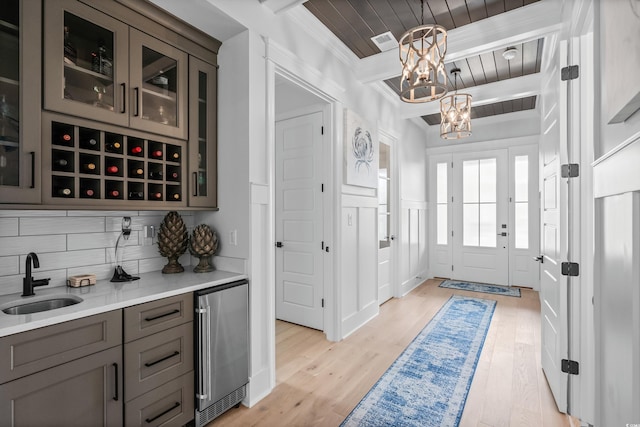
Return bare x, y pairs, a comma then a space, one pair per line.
40, 304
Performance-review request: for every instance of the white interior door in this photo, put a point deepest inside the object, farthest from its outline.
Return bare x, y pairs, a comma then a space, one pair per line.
553, 285
299, 223
480, 206
386, 237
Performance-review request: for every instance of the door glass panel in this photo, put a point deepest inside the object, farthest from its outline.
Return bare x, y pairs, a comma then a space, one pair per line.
202, 133
159, 90
470, 181
9, 94
442, 224
479, 180
521, 226
470, 225
88, 63
384, 216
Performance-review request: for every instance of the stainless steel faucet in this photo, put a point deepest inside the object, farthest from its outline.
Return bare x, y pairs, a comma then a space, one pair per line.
28, 283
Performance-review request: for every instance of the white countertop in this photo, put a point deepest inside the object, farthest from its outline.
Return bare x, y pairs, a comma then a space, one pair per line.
106, 296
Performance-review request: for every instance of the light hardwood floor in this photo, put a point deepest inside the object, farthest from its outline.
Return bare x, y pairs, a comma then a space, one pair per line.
320, 382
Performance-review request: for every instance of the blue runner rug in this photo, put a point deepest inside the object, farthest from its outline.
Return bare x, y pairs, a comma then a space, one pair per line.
481, 287
428, 383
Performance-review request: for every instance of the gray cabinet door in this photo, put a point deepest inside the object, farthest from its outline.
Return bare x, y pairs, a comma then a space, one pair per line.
85, 392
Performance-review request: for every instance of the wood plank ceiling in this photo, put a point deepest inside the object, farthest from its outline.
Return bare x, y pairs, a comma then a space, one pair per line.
356, 21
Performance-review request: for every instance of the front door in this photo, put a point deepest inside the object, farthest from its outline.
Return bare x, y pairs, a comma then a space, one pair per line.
480, 206
299, 224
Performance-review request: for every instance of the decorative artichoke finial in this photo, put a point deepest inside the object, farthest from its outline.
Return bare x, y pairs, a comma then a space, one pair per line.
203, 244
173, 239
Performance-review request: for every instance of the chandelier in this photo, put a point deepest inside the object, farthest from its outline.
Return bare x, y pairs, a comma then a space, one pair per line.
455, 113
422, 51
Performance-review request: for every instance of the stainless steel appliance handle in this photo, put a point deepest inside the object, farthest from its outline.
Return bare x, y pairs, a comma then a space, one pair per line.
208, 352
201, 395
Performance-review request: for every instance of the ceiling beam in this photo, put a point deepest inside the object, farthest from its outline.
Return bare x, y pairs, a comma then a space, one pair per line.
517, 26
278, 6
504, 90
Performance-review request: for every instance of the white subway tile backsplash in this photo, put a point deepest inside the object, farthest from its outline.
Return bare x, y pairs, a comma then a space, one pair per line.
97, 240
9, 265
57, 225
76, 242
8, 226
40, 244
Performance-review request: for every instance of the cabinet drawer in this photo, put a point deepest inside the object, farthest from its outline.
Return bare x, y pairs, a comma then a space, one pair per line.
32, 351
156, 359
155, 316
171, 404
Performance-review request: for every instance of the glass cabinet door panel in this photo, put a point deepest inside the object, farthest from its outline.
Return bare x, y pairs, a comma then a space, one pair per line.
159, 81
20, 22
86, 57
202, 135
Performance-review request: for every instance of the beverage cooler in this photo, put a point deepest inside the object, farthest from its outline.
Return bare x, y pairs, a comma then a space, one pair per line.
222, 349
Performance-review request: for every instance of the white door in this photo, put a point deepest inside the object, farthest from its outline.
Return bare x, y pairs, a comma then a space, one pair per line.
480, 206
553, 285
524, 217
385, 231
299, 224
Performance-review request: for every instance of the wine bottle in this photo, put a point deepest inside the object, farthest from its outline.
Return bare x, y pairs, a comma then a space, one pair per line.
137, 172
136, 150
136, 195
90, 167
61, 162
174, 175
175, 156
113, 146
155, 174
66, 139
88, 192
156, 154
113, 193
63, 192
176, 196
113, 169
92, 142
156, 196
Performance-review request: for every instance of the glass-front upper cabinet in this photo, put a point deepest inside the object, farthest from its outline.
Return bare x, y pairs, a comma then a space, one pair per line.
86, 58
159, 80
20, 101
202, 136
98, 67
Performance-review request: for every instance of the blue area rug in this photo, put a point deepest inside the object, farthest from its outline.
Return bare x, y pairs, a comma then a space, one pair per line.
428, 383
481, 287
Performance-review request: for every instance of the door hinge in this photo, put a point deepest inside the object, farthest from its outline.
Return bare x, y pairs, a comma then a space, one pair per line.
570, 170
322, 302
570, 269
570, 367
322, 188
452, 268
451, 233
321, 130
323, 245
570, 72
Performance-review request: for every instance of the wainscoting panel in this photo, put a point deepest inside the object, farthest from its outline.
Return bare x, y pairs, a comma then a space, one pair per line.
413, 245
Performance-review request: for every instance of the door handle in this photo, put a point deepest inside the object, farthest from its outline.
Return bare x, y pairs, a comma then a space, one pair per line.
393, 237
503, 234
539, 258
278, 244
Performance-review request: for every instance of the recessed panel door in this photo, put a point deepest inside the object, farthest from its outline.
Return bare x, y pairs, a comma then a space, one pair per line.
299, 225
480, 237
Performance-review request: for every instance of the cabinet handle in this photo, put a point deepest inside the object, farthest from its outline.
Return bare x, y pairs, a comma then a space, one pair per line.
33, 169
123, 86
136, 104
195, 183
175, 405
160, 316
115, 395
155, 362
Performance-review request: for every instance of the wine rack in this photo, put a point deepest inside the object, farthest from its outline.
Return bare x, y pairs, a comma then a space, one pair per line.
102, 165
